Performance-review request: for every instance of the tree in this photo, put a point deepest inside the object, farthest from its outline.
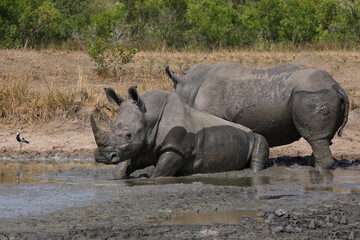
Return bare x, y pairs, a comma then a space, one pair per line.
214, 23
299, 23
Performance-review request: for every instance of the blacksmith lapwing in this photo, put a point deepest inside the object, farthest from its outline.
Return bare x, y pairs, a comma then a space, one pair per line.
20, 139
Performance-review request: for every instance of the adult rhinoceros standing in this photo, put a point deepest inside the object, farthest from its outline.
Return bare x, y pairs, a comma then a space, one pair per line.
282, 103
158, 129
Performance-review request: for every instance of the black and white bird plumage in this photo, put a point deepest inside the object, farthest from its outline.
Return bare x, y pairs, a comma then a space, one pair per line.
20, 139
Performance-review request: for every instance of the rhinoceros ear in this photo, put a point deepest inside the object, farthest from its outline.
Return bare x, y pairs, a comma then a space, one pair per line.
133, 94
113, 97
175, 78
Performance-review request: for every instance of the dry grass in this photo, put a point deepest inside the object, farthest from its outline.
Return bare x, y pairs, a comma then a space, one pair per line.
36, 87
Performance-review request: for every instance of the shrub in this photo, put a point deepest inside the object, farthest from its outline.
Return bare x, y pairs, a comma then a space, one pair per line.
109, 23
214, 23
110, 60
261, 21
38, 23
299, 23
339, 21
154, 24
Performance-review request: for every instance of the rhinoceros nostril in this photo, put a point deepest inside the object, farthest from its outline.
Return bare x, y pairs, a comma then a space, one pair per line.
113, 155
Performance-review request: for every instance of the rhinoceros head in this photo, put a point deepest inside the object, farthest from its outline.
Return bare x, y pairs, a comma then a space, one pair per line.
124, 139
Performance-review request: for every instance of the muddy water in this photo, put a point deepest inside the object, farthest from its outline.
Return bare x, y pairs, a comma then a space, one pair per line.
209, 218
36, 188
25, 192
30, 172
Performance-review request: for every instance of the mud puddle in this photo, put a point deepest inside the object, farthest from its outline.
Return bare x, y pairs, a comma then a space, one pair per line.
32, 172
210, 218
36, 188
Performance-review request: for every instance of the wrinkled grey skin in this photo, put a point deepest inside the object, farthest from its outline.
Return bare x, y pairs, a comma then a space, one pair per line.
282, 103
158, 129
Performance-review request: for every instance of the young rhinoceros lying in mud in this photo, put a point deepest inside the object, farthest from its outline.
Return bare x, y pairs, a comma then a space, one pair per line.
158, 129
282, 104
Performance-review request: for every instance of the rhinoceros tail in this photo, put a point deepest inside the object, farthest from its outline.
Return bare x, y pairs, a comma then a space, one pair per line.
175, 78
345, 101
167, 71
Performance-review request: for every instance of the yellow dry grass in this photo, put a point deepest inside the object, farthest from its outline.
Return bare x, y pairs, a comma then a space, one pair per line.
36, 87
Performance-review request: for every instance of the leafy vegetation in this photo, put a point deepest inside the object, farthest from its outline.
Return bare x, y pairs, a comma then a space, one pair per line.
182, 24
110, 60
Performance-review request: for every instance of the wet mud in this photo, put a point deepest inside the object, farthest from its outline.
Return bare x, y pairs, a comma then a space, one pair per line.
84, 200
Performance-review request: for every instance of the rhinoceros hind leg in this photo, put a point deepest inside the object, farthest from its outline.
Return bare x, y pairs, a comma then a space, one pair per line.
168, 164
322, 154
260, 154
317, 116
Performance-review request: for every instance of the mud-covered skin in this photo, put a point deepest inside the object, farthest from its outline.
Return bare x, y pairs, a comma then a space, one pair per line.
213, 149
158, 129
282, 104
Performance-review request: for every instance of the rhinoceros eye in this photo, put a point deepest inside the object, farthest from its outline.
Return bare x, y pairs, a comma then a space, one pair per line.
128, 135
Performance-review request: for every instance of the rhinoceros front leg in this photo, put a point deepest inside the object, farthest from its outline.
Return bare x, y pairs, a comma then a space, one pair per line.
168, 164
130, 166
124, 169
260, 154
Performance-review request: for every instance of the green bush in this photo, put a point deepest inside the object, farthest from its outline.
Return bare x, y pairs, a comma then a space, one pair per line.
299, 23
97, 50
154, 24
214, 23
261, 21
110, 60
34, 23
109, 23
339, 21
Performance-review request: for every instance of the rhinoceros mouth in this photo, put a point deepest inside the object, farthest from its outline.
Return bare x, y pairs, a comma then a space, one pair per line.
108, 157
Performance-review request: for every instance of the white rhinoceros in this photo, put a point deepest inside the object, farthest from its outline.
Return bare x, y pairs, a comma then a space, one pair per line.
282, 103
157, 128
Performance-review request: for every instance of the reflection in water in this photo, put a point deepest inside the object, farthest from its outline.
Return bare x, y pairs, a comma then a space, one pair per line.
336, 176
218, 181
28, 172
209, 218
321, 177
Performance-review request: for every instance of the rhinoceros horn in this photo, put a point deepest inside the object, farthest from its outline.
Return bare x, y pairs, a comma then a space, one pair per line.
99, 134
